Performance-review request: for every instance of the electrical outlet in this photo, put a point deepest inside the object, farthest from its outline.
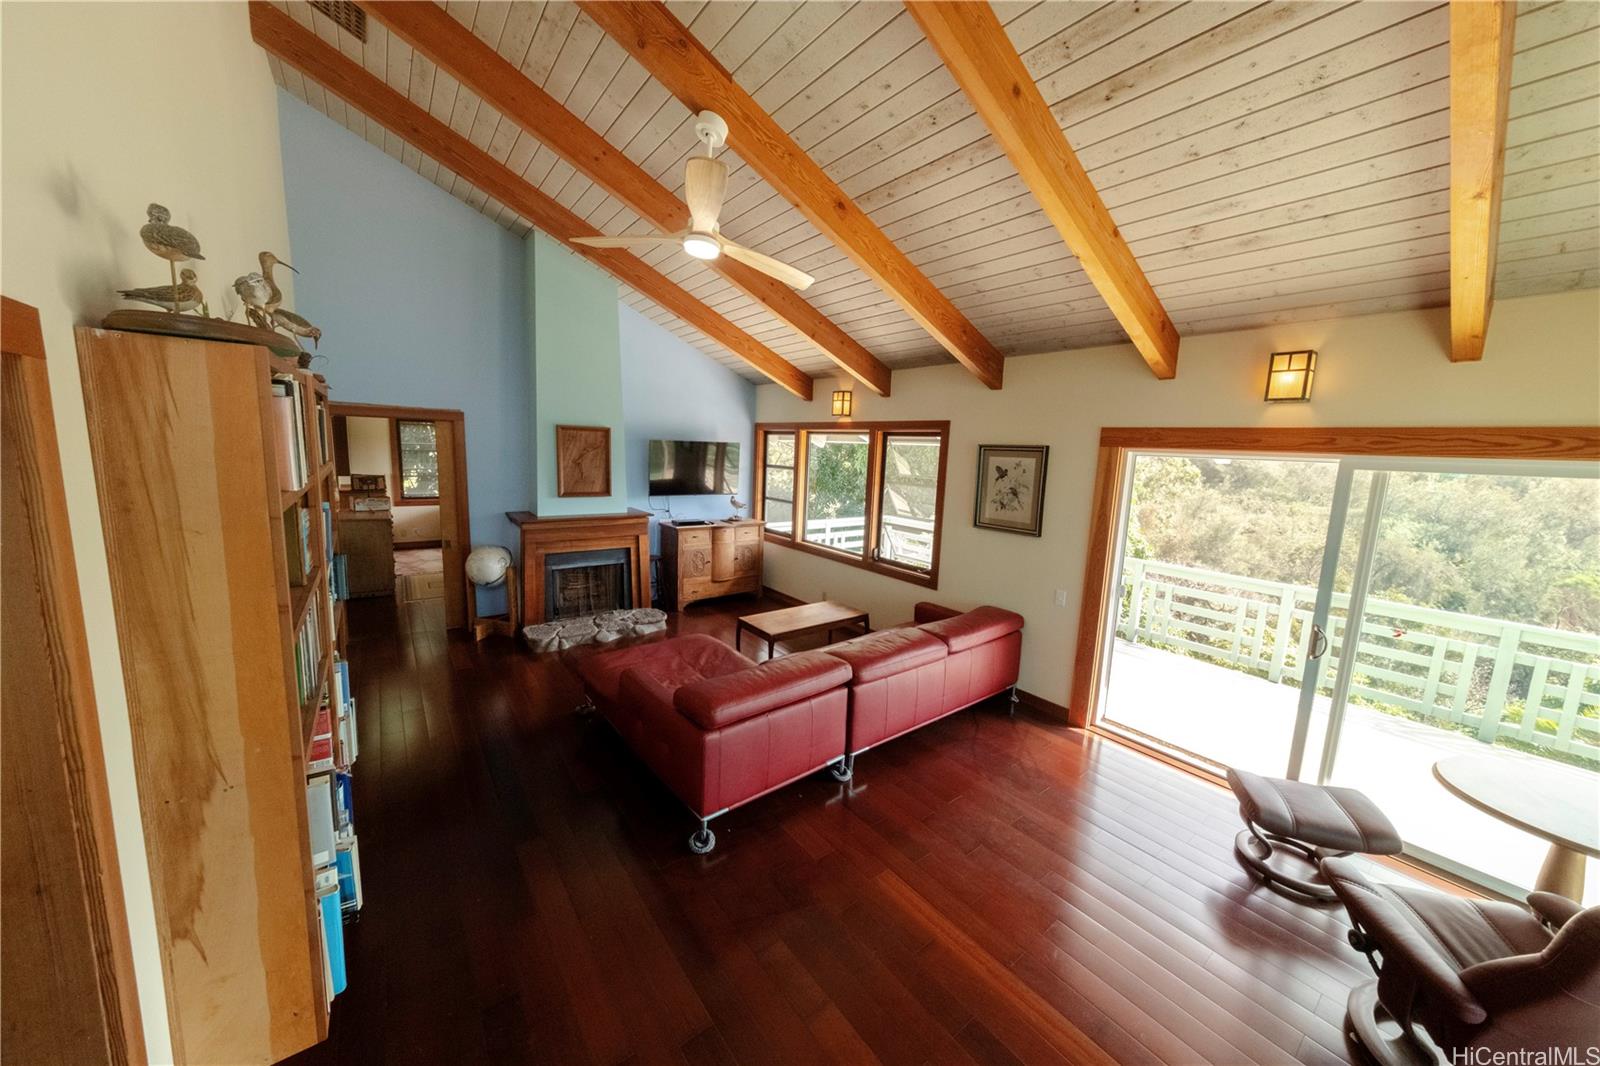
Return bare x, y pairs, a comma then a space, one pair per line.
1061, 597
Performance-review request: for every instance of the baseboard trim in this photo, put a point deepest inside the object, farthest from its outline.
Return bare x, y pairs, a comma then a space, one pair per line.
402, 545
1041, 706
782, 597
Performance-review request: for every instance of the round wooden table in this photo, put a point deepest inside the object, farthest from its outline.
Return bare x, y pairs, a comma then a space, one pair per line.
1550, 801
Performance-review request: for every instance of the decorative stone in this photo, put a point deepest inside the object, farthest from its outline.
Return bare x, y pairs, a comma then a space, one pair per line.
605, 627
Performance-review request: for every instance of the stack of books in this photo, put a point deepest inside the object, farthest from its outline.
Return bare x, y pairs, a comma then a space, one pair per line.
335, 851
308, 656
294, 469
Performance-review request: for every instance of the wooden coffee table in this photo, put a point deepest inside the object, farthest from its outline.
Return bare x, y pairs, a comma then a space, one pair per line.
824, 617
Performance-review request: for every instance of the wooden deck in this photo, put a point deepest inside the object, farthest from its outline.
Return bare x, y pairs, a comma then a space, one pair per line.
989, 890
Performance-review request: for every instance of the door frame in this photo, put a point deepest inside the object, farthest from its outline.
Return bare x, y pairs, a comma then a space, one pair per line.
454, 543
1090, 656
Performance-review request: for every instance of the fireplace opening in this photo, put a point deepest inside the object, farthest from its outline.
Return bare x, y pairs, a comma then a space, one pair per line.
586, 582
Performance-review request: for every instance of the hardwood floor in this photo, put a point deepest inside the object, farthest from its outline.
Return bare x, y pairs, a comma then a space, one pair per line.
989, 890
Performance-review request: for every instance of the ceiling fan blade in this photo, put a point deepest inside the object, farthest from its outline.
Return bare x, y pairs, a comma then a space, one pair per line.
768, 265
705, 180
639, 241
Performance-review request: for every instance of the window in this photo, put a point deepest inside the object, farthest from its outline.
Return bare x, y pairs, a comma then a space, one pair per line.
836, 491
867, 494
777, 482
417, 460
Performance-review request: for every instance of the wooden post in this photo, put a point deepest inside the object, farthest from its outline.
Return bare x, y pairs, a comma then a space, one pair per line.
1430, 689
1135, 599
1530, 708
1499, 683
1280, 636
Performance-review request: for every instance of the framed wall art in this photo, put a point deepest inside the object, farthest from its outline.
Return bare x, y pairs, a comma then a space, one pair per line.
583, 460
1011, 487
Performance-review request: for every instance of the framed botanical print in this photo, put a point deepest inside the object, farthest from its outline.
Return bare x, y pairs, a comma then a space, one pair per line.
1011, 487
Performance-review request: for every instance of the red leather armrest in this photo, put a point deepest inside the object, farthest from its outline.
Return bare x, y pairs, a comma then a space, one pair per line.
931, 612
721, 701
972, 628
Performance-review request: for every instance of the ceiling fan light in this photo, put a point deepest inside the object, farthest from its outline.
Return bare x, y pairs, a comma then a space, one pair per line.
701, 246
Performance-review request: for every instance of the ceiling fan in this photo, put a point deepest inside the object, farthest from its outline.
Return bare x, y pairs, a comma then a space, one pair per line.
704, 182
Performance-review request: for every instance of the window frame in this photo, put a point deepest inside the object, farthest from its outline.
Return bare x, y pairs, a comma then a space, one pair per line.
763, 466
398, 496
878, 434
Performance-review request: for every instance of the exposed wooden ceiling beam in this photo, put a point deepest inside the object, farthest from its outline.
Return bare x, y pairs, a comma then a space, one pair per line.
666, 49
975, 48
300, 48
1481, 33
456, 50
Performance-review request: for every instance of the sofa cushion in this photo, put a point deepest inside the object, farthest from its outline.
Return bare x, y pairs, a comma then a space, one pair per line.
926, 611
720, 701
977, 626
670, 663
890, 651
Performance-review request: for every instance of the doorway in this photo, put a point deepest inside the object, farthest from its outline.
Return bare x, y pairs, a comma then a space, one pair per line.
404, 517
1360, 620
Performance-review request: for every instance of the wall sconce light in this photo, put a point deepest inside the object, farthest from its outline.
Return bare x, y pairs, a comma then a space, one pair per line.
1289, 376
843, 402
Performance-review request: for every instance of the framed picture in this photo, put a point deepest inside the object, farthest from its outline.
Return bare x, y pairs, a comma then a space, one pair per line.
1011, 487
583, 460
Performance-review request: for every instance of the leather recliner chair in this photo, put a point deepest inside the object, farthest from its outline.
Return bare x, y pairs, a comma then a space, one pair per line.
1476, 976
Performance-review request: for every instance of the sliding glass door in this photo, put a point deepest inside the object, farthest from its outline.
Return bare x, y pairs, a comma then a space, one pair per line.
1477, 589
1214, 623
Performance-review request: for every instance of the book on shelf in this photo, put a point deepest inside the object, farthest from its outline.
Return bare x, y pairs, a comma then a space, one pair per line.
319, 756
339, 582
344, 812
348, 865
331, 914
319, 812
297, 543
327, 528
289, 420
308, 659
344, 714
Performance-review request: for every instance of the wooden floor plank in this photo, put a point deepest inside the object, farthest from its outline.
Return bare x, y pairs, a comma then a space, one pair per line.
989, 890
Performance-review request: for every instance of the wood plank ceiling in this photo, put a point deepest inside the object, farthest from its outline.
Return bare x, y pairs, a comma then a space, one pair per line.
1265, 161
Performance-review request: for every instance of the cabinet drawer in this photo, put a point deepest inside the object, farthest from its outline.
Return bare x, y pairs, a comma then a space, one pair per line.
694, 538
747, 534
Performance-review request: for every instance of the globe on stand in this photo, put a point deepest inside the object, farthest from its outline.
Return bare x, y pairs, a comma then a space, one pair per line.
489, 566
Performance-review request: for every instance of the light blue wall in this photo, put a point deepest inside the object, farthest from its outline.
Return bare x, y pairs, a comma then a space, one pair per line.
420, 299
670, 391
576, 366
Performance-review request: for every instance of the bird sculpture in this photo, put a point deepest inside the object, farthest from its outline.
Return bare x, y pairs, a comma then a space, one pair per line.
253, 293
293, 324
172, 243
183, 297
259, 292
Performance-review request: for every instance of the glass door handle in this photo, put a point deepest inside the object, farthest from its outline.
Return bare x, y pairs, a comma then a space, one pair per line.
1319, 642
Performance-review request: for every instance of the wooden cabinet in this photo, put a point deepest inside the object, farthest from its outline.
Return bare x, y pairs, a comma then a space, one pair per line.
367, 539
705, 561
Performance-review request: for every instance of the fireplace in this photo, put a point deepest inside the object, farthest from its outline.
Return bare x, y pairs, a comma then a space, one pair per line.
580, 564
586, 582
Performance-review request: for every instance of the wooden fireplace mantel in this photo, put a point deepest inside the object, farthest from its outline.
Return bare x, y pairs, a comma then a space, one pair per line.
540, 537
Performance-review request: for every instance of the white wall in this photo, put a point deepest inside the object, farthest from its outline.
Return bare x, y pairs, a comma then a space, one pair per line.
1541, 367
106, 107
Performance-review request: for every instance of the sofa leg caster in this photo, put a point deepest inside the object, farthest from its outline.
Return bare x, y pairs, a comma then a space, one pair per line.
843, 770
585, 709
702, 840
1012, 708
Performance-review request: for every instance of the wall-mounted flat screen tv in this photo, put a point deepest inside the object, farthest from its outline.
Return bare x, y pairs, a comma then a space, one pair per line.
693, 468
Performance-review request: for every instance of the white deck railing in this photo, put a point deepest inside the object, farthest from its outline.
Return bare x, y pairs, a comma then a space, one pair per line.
1499, 678
908, 541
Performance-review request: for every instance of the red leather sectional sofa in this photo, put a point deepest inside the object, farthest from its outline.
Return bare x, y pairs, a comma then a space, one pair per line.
720, 731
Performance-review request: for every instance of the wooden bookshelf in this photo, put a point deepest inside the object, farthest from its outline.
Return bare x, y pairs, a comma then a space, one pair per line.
186, 436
